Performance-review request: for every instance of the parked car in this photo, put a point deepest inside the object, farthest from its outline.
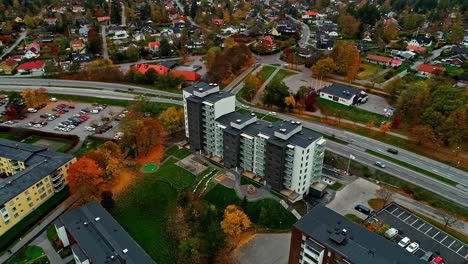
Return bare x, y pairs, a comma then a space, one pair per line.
363, 209
379, 164
437, 260
37, 126
32, 110
428, 256
44, 116
373, 220
71, 106
95, 111
391, 233
393, 151
21, 117
9, 122
404, 242
53, 99
411, 248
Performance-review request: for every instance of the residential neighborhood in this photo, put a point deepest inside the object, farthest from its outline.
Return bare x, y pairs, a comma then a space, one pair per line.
183, 131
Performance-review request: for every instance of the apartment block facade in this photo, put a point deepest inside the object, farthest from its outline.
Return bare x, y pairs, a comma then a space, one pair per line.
29, 176
326, 237
95, 237
281, 155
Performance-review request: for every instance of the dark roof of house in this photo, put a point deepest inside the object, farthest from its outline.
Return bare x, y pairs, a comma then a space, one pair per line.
325, 44
168, 64
100, 238
423, 40
340, 90
201, 86
86, 57
39, 163
463, 77
458, 49
358, 245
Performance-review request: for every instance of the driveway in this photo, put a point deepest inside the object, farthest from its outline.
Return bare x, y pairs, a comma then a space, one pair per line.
374, 104
265, 249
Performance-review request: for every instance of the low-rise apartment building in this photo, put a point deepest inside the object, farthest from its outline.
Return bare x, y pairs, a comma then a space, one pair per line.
324, 236
281, 155
29, 176
95, 237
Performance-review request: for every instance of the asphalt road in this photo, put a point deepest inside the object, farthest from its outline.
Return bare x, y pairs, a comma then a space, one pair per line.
105, 53
13, 46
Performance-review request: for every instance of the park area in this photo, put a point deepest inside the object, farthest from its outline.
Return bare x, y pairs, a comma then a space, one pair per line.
145, 209
30, 255
368, 70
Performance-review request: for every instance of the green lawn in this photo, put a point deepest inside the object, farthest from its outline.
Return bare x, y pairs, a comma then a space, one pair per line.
354, 218
281, 74
88, 144
175, 175
266, 72
275, 216
29, 253
66, 143
369, 70
412, 167
176, 152
335, 186
350, 112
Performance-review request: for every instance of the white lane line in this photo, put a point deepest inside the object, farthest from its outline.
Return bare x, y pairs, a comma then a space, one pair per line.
407, 218
415, 221
428, 230
394, 210
401, 214
460, 248
435, 235
443, 239
421, 226
452, 243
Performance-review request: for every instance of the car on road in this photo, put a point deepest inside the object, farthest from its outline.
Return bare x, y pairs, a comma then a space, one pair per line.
411, 248
393, 151
428, 256
363, 209
379, 164
404, 242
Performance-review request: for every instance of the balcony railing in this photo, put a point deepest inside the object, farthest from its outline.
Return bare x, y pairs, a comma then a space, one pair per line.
59, 189
58, 183
59, 176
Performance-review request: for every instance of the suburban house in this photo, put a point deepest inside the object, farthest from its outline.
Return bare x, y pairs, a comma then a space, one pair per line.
82, 58
381, 60
324, 236
163, 69
60, 10
30, 176
426, 70
404, 55
154, 46
310, 15
420, 42
457, 60
343, 94
50, 21
324, 44
31, 53
17, 58
78, 9
217, 22
281, 155
83, 31
194, 44
416, 48
33, 46
31, 66
7, 66
104, 19
76, 45
462, 81
138, 36
19, 20
126, 45
147, 30
286, 26
266, 43
304, 52
94, 236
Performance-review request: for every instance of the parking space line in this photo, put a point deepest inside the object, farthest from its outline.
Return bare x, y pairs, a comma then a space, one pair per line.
415, 221
428, 230
407, 218
460, 248
443, 239
436, 234
401, 214
452, 243
421, 226
394, 210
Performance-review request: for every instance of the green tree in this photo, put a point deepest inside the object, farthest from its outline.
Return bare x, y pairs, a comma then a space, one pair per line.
324, 67
456, 34
274, 94
17, 101
190, 248
132, 53
165, 48
29, 22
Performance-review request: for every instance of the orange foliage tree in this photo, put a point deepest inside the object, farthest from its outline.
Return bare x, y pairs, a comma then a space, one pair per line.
235, 221
384, 128
85, 176
34, 97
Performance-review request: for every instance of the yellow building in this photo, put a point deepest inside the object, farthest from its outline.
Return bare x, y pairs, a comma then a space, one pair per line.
29, 175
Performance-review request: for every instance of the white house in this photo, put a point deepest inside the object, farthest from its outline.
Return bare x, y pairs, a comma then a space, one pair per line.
31, 54
420, 42
340, 93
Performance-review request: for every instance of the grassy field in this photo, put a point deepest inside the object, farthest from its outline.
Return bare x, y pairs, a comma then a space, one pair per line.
28, 254
350, 112
354, 218
412, 167
88, 144
281, 74
176, 152
221, 197
368, 70
266, 72
336, 186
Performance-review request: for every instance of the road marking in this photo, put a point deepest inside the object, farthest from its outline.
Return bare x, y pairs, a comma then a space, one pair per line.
443, 239
421, 226
407, 218
428, 230
415, 221
452, 243
435, 235
401, 214
394, 210
460, 248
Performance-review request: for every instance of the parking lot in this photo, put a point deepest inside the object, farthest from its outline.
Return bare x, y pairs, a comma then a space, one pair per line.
71, 110
429, 237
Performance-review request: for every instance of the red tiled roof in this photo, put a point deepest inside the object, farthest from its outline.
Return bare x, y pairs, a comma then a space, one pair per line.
217, 21
76, 42
50, 19
430, 68
143, 68
103, 18
78, 7
32, 44
268, 38
10, 62
395, 61
154, 43
311, 13
189, 76
31, 65
415, 48
379, 58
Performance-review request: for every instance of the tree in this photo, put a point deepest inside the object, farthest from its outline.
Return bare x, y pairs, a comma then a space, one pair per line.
35, 97
274, 94
302, 93
252, 83
349, 25
29, 22
193, 9
455, 128
190, 248
324, 67
94, 44
165, 48
86, 177
448, 218
385, 195
370, 125
346, 56
107, 201
132, 53
16, 102
424, 135
311, 102
384, 128
290, 102
211, 55
172, 120
235, 221
456, 34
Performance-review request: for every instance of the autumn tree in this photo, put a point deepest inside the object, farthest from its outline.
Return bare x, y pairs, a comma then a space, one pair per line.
235, 221
85, 177
290, 102
34, 97
346, 56
211, 55
109, 158
16, 104
370, 125
385, 195
349, 25
424, 135
324, 67
384, 128
251, 84
172, 120
449, 219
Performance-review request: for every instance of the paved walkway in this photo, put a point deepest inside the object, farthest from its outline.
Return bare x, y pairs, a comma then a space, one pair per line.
38, 229
264, 249
105, 53
260, 91
44, 243
17, 42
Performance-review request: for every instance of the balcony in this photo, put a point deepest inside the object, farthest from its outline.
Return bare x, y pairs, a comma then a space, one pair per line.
57, 183
288, 171
59, 189
288, 165
290, 159
56, 177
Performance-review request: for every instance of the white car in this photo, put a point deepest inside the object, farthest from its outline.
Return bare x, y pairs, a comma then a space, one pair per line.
90, 129
37, 126
9, 122
412, 247
32, 110
71, 126
95, 111
404, 242
53, 99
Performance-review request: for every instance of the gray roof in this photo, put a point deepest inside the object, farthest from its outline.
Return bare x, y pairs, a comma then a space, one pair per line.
340, 90
359, 244
100, 240
212, 98
168, 64
303, 138
39, 163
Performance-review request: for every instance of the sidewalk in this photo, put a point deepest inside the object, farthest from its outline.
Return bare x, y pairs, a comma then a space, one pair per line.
38, 229
44, 243
260, 91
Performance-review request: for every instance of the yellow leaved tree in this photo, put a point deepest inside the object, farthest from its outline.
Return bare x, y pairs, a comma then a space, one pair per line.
235, 221
172, 120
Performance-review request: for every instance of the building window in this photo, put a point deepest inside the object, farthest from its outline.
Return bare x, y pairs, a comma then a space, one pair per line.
12, 202
48, 185
13, 209
39, 184
43, 196
41, 190
26, 193
16, 215
7, 222
46, 179
31, 204
49, 191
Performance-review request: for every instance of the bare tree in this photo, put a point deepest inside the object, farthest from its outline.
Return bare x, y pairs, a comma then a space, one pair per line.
385, 195
448, 218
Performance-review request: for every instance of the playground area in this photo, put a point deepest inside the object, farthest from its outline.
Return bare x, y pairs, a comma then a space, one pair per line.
193, 164
150, 168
